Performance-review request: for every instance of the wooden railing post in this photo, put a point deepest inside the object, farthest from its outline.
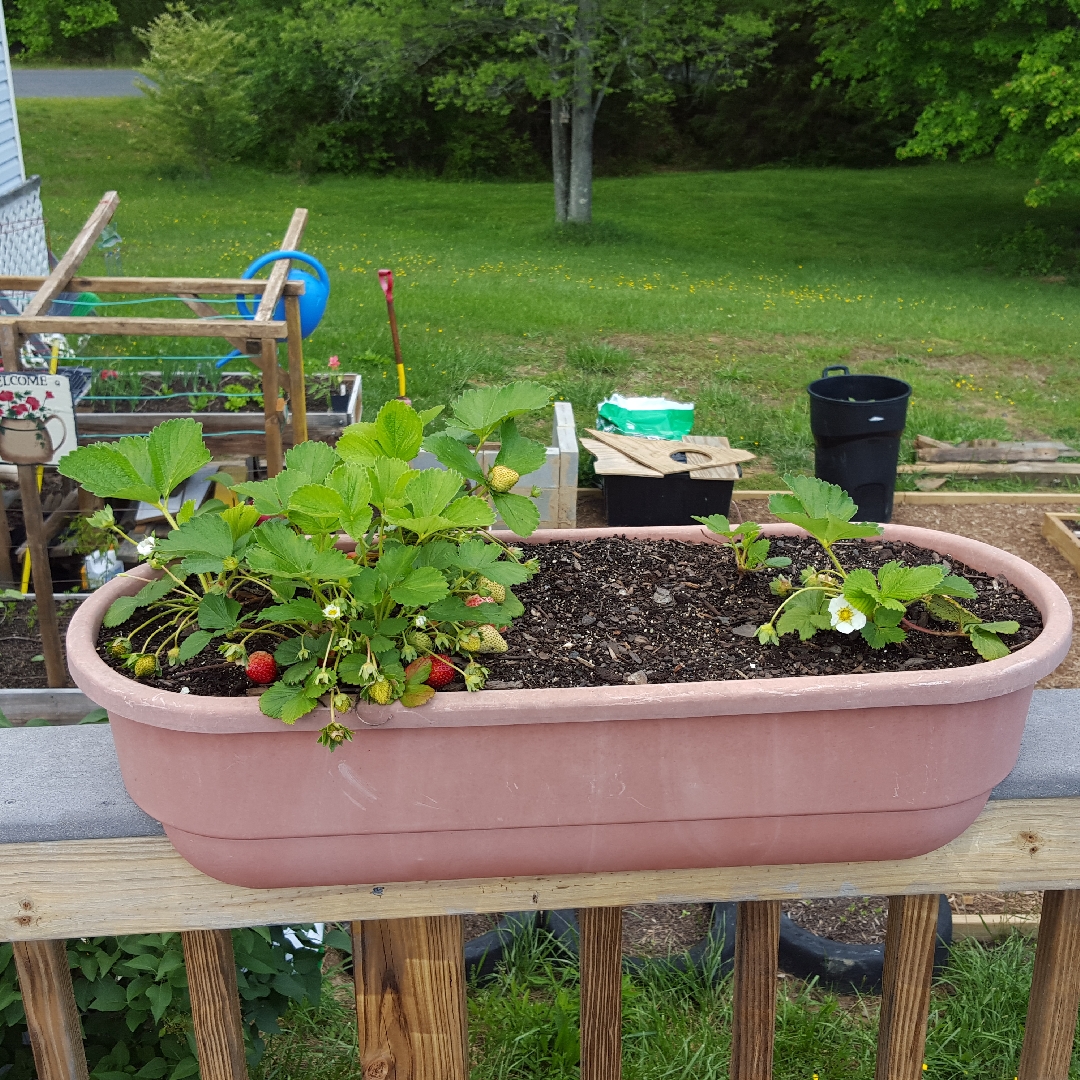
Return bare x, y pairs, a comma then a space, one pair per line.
601, 993
215, 1004
753, 1025
905, 995
1055, 990
410, 998
51, 1016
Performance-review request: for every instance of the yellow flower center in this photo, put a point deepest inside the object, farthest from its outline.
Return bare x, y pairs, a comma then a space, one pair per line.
845, 614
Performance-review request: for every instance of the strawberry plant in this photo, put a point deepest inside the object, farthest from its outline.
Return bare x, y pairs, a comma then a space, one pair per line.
874, 604
347, 624
751, 551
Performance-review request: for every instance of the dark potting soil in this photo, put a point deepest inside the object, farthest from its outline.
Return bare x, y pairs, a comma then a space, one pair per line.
618, 610
856, 920
22, 663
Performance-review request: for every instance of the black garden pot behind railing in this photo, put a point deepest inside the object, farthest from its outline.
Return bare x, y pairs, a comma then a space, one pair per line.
857, 421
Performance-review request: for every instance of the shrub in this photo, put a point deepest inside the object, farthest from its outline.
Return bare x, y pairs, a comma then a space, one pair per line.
200, 104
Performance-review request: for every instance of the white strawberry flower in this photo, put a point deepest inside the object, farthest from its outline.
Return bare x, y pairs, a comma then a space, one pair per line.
845, 617
332, 611
146, 547
420, 621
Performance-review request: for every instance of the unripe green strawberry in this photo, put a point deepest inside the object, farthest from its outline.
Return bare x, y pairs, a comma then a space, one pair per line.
492, 640
419, 640
145, 666
502, 479
380, 691
471, 642
496, 591
120, 648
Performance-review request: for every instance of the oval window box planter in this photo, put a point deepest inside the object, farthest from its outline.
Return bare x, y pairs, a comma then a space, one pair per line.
831, 768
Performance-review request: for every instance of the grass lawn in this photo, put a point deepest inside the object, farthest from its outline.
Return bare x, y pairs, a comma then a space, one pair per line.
523, 1025
729, 289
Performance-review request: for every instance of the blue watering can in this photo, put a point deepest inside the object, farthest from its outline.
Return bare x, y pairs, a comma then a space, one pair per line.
312, 303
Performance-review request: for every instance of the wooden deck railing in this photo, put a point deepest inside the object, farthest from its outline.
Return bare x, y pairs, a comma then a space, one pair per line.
408, 959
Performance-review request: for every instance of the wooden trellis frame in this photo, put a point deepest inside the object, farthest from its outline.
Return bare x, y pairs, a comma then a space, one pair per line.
257, 338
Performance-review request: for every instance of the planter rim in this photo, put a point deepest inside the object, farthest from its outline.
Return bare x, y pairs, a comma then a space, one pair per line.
808, 693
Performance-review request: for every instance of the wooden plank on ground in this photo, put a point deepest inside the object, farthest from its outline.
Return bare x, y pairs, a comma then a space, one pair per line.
993, 927
944, 498
51, 1016
150, 285
1056, 530
410, 998
1055, 991
80, 247
75, 888
1035, 470
601, 993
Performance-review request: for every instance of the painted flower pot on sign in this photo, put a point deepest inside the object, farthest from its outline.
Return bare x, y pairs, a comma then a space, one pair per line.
830, 768
27, 442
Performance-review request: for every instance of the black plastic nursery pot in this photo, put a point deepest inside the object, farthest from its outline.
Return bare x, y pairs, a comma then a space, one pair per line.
670, 500
857, 421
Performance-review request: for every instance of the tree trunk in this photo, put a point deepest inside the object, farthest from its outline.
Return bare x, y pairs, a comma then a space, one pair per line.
560, 155
583, 116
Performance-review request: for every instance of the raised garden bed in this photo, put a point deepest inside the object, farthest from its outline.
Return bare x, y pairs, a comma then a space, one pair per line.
238, 432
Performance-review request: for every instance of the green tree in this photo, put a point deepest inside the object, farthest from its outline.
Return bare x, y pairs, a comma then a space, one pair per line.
486, 55
36, 25
200, 99
983, 76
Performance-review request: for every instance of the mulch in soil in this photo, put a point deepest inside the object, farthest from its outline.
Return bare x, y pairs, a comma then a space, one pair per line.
617, 610
856, 920
20, 643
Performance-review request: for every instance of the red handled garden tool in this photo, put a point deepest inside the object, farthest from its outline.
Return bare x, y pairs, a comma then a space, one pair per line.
386, 280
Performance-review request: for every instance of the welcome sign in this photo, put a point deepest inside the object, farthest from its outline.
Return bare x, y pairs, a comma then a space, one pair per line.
37, 418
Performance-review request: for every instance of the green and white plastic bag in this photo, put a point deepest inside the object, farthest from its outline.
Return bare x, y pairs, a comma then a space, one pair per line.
655, 417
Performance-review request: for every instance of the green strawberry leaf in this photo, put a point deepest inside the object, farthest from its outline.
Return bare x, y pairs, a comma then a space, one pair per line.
520, 513
954, 585
455, 455
900, 582
483, 410
359, 445
399, 430
718, 524
218, 612
806, 613
311, 462
421, 587
877, 635
430, 492
416, 694
287, 703
288, 652
208, 535
986, 642
302, 609
121, 610
518, 453
298, 673
194, 644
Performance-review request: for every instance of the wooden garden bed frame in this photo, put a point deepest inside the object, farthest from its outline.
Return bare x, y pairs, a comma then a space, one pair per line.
256, 338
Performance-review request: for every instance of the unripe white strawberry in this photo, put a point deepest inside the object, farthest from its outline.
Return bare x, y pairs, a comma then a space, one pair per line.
502, 479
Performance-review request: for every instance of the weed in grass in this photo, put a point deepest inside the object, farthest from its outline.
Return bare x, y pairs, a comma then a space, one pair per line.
599, 359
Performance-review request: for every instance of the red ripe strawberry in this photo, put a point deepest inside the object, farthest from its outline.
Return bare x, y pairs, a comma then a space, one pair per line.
262, 667
441, 671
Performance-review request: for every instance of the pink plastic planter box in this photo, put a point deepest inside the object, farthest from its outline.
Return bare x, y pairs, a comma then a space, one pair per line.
831, 768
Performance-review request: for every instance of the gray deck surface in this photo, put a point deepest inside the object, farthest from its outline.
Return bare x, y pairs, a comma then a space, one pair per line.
74, 82
63, 783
